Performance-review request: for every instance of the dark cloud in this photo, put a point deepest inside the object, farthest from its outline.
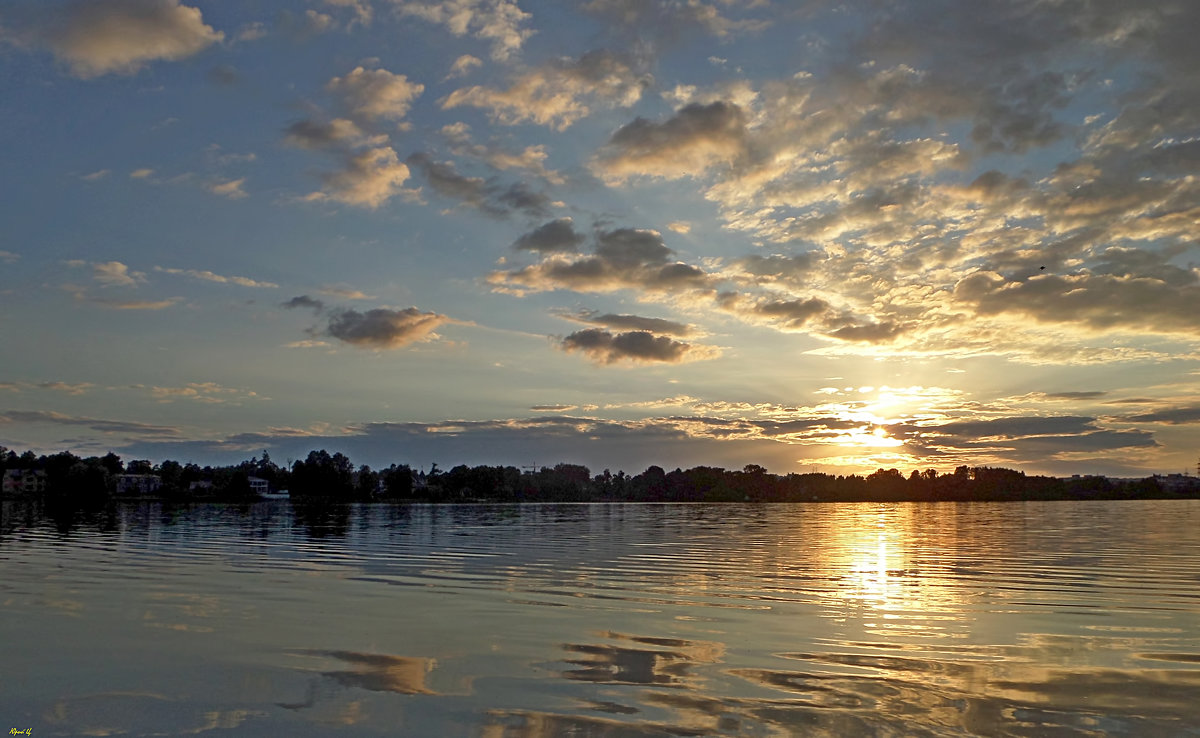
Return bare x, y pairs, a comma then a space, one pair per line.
1174, 416
631, 322
794, 314
624, 258
777, 268
604, 347
1100, 302
1090, 395
557, 235
488, 196
224, 74
868, 332
519, 196
119, 427
696, 138
631, 247
303, 301
312, 134
382, 328
1019, 440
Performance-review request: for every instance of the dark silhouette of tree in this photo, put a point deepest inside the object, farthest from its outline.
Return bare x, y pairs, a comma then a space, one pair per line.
323, 476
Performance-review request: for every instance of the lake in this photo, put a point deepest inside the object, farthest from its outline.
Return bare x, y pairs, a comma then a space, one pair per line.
504, 621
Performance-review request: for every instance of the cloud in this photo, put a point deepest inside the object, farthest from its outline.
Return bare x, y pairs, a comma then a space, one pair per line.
304, 301
1072, 396
382, 328
204, 392
376, 93
231, 189
689, 143
496, 21
463, 65
342, 291
115, 304
794, 314
1174, 416
9, 257
224, 74
555, 236
363, 12
300, 27
139, 430
369, 180
207, 276
868, 332
1018, 438
93, 176
624, 258
116, 274
558, 93
1099, 302
101, 37
251, 32
639, 346
491, 197
312, 134
141, 173
630, 323
531, 159
664, 19
77, 388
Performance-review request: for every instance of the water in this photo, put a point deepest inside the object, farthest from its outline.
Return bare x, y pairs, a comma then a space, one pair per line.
995, 619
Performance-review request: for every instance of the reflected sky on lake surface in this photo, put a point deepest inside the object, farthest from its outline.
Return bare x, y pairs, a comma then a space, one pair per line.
603, 620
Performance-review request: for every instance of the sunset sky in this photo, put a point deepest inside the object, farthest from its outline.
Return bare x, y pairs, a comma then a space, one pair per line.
809, 235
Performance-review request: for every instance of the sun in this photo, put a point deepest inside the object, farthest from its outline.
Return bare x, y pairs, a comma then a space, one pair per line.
864, 438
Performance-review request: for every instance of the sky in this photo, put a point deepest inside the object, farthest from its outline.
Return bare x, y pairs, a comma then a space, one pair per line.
811, 235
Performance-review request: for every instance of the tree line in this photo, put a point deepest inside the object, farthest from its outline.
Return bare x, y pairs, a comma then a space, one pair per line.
322, 476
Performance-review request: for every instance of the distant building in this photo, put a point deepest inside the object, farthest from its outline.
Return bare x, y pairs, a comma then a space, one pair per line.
259, 486
138, 484
24, 481
1178, 482
200, 488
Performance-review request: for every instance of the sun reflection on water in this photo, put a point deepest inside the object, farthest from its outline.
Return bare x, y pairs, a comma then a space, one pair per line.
888, 577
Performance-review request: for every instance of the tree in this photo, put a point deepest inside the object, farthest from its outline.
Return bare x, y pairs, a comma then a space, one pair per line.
112, 463
397, 482
323, 476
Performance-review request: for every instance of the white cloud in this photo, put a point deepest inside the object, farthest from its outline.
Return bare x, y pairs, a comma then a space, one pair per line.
121, 36
363, 12
499, 22
207, 276
463, 65
231, 189
369, 180
116, 274
558, 93
376, 93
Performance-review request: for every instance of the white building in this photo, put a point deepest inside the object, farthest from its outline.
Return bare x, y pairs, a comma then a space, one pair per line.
138, 484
